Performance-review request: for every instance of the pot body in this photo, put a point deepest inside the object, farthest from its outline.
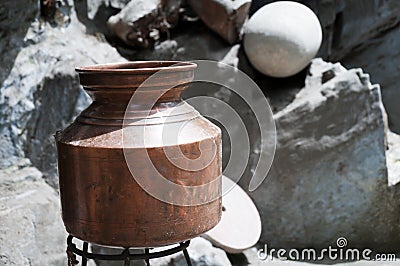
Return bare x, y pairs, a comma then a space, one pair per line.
110, 194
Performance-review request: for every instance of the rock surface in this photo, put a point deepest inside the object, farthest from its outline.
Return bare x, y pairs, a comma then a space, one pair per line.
380, 57
31, 231
366, 35
329, 176
225, 17
12, 34
40, 92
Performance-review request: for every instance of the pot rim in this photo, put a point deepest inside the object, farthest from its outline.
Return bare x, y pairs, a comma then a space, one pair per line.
137, 67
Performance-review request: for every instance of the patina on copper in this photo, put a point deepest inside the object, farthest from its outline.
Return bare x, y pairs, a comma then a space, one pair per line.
101, 201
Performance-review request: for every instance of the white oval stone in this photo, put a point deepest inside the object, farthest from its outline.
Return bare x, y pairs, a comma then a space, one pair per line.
281, 38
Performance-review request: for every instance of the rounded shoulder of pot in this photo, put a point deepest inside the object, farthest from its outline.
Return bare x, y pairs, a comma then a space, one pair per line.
140, 135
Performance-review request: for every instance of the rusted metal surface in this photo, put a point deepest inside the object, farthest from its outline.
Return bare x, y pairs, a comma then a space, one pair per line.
101, 201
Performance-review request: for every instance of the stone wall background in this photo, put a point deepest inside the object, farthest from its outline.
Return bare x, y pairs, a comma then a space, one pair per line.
336, 168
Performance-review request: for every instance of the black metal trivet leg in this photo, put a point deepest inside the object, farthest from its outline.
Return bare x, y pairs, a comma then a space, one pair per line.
85, 250
127, 261
71, 257
186, 254
146, 251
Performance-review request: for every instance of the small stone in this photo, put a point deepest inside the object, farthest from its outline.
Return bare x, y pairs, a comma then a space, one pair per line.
281, 38
225, 17
327, 75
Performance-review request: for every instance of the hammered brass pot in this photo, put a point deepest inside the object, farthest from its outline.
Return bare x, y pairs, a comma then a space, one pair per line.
102, 202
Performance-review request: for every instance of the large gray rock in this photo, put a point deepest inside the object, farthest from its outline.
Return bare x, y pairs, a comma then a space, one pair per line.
329, 176
31, 231
41, 93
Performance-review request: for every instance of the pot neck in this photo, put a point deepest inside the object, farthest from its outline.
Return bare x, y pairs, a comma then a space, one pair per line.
132, 89
110, 108
142, 98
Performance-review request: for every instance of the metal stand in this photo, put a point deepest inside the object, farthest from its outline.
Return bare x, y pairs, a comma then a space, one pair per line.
124, 256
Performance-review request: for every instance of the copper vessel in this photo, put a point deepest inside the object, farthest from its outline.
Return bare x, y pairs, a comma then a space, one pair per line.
102, 200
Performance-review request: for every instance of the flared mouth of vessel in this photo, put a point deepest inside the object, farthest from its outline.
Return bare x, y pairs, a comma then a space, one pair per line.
137, 67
